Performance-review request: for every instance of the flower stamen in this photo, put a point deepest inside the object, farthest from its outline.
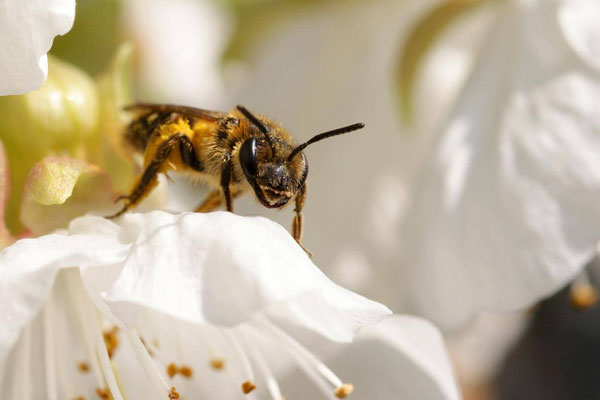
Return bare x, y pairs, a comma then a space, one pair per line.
92, 332
155, 377
263, 366
341, 390
248, 384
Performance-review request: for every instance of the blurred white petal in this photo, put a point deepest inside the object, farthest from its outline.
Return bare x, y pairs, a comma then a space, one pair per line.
505, 210
27, 29
180, 45
579, 22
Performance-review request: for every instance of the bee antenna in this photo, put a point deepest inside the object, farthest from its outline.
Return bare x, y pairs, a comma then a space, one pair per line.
325, 135
255, 121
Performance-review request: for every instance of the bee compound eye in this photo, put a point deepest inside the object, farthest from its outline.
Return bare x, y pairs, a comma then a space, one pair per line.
248, 157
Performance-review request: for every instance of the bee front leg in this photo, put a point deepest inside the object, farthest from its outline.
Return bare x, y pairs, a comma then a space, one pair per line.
226, 180
298, 222
149, 178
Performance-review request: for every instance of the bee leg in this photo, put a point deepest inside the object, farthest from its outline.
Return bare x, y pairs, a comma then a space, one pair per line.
188, 154
148, 180
225, 180
214, 200
298, 222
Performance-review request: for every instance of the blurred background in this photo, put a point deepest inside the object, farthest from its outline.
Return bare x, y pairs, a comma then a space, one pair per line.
314, 65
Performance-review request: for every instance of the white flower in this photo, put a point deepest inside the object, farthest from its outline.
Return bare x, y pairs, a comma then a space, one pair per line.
506, 207
27, 29
218, 300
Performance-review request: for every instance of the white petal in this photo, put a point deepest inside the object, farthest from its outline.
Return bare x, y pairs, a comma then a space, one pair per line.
29, 266
27, 29
506, 210
579, 22
220, 268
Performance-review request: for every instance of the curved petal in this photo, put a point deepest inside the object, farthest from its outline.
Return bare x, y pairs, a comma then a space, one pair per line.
29, 266
579, 23
220, 268
505, 211
59, 189
27, 30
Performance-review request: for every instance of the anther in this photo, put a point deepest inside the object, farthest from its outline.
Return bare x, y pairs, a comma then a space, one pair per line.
186, 371
102, 393
83, 367
247, 387
174, 394
111, 340
583, 296
172, 370
344, 390
217, 363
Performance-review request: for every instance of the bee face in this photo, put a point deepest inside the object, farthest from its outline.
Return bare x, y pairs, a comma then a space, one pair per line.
274, 180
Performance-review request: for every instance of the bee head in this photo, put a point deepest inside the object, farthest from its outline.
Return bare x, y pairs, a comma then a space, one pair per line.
275, 181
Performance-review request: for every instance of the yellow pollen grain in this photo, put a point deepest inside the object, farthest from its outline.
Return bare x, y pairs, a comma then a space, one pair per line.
186, 371
102, 393
83, 366
174, 394
217, 363
344, 390
247, 387
583, 296
172, 370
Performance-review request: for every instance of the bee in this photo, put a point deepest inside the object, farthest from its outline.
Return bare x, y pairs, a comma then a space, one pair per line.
236, 153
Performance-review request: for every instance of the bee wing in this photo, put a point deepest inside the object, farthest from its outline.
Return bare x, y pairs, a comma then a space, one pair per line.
172, 108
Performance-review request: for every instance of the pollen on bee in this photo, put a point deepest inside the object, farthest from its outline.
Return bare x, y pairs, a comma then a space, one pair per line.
217, 363
344, 390
83, 366
247, 387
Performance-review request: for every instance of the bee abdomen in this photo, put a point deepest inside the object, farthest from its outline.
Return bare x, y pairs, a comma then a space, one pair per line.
141, 129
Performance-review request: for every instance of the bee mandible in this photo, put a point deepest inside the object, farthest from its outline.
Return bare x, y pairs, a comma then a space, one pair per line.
235, 152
